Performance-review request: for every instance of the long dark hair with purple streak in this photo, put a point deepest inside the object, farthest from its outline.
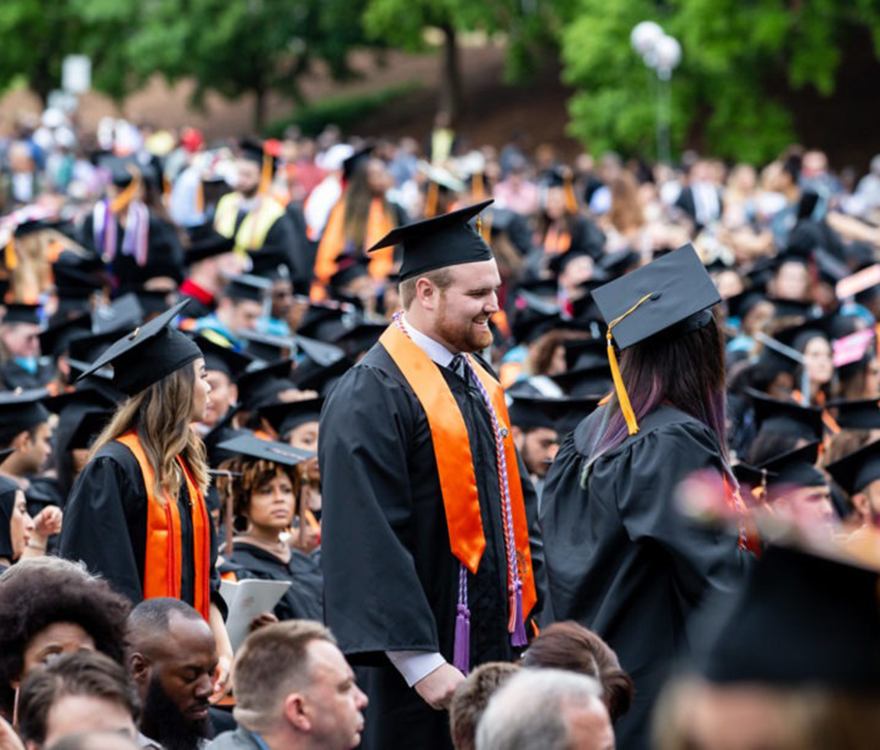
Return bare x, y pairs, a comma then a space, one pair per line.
686, 371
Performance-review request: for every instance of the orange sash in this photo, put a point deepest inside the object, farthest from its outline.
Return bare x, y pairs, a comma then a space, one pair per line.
379, 223
164, 559
455, 464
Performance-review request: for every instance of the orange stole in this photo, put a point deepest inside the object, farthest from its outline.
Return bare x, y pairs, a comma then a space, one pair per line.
163, 561
455, 465
333, 241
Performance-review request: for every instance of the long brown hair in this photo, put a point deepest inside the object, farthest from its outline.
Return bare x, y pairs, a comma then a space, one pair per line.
161, 415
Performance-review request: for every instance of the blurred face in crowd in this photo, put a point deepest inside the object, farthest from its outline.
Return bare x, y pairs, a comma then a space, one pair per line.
32, 449
78, 714
818, 360
248, 175
282, 298
808, 507
867, 504
336, 717
201, 392
304, 436
224, 393
239, 315
174, 674
792, 281
21, 525
378, 178
21, 339
272, 505
461, 312
55, 640
729, 284
872, 379
576, 272
538, 447
554, 203
758, 317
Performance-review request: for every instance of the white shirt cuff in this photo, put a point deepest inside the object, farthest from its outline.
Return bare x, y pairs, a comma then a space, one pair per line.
414, 665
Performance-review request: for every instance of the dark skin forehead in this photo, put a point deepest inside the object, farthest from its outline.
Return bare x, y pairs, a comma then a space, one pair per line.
187, 641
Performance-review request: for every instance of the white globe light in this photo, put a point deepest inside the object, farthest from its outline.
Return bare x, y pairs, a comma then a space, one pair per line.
668, 52
645, 36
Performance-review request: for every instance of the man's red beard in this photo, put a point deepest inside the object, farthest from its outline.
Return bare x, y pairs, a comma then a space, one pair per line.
461, 334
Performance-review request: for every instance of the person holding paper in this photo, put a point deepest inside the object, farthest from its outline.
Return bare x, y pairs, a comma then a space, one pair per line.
264, 487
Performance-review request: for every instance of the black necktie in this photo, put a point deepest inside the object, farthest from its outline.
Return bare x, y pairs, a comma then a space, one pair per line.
459, 366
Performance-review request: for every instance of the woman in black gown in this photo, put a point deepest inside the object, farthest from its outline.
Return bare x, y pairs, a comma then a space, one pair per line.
265, 485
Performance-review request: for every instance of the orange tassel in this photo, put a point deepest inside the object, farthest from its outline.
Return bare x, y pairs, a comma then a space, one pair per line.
267, 175
200, 198
431, 200
479, 188
10, 255
571, 204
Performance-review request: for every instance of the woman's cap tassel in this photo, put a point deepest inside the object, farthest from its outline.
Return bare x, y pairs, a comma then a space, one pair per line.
10, 256
622, 396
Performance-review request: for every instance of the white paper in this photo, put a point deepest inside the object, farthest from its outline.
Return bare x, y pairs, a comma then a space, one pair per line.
246, 599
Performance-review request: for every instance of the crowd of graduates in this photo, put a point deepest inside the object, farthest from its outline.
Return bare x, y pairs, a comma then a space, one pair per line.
255, 252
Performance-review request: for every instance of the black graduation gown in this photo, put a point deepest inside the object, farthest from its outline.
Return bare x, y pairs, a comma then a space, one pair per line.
304, 600
390, 580
622, 560
105, 525
15, 376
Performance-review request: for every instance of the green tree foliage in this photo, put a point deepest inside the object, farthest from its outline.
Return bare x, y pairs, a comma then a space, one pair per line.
737, 56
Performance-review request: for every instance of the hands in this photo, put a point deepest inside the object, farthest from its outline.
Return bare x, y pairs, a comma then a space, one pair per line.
261, 621
222, 683
436, 688
47, 523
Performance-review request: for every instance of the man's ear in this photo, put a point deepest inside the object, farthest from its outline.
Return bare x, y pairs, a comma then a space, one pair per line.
426, 293
139, 667
233, 392
296, 712
22, 441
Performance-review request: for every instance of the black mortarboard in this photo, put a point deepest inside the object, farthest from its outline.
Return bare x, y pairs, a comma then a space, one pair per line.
247, 287
265, 450
560, 414
440, 242
22, 410
360, 338
89, 427
221, 358
349, 269
772, 415
122, 314
533, 317
855, 471
124, 169
262, 385
863, 414
267, 347
55, 341
148, 354
324, 322
270, 263
320, 366
796, 468
619, 262
206, 242
581, 354
588, 372
800, 620
740, 305
749, 477
546, 289
252, 150
154, 301
559, 262
670, 291
792, 308
357, 160
798, 335
287, 416
72, 283
21, 313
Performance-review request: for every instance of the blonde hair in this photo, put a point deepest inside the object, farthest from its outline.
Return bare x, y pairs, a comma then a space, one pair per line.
161, 415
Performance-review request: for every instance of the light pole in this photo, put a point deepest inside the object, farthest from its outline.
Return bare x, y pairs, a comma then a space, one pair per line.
662, 54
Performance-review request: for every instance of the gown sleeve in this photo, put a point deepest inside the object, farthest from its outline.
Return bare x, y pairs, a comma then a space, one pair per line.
374, 600
647, 475
97, 521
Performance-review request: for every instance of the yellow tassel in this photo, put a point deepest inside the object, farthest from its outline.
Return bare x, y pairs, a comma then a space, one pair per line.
479, 225
11, 257
622, 396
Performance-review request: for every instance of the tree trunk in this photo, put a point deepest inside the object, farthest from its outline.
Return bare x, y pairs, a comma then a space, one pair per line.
451, 101
260, 96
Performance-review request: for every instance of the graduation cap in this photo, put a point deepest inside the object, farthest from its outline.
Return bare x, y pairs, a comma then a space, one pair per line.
21, 313
269, 263
855, 471
123, 313
799, 335
533, 317
619, 262
792, 308
796, 468
560, 414
740, 305
22, 410
265, 450
72, 283
788, 417
588, 372
88, 428
583, 354
206, 242
154, 301
148, 354
287, 416
262, 384
320, 365
324, 322
671, 295
126, 170
260, 153
349, 269
800, 619
219, 358
360, 338
247, 287
56, 339
863, 414
357, 160
267, 347
440, 242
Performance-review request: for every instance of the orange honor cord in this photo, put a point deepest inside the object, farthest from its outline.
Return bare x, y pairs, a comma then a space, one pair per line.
164, 560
